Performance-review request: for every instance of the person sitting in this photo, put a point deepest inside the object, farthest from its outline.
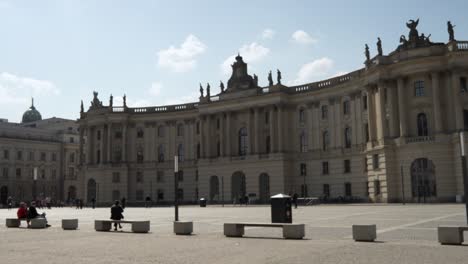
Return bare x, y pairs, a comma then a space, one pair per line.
32, 213
116, 213
22, 212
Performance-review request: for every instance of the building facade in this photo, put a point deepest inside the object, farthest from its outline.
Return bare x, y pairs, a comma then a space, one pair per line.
384, 133
38, 158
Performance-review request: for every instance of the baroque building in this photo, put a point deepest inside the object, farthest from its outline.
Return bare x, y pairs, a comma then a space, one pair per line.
38, 158
384, 133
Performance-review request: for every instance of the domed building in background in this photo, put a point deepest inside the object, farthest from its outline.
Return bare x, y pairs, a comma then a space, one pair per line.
31, 115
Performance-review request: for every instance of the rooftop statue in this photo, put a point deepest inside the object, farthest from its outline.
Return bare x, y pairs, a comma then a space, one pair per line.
221, 86
95, 103
450, 31
379, 47
81, 107
125, 100
208, 90
111, 100
278, 76
255, 79
270, 79
201, 90
414, 39
367, 53
413, 34
240, 78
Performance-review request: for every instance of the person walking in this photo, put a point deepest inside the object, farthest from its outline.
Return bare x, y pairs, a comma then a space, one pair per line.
123, 202
117, 214
148, 202
10, 202
93, 202
295, 196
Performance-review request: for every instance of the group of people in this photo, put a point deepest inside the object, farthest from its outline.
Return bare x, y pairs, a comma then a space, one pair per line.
28, 213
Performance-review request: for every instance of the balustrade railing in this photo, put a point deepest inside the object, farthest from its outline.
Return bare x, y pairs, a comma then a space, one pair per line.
154, 109
462, 45
419, 139
327, 83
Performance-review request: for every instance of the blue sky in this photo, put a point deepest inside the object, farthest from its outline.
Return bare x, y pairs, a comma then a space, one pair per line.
157, 52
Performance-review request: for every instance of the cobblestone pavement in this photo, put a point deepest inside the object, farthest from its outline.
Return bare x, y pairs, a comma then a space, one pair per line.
406, 234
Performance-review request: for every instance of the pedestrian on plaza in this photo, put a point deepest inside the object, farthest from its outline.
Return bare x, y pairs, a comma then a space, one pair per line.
117, 214
32, 213
93, 202
81, 203
22, 212
10, 202
123, 201
148, 202
295, 196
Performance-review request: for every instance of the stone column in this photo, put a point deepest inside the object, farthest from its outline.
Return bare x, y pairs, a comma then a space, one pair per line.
221, 135
249, 132
101, 146
109, 142
89, 145
392, 105
402, 107
228, 134
371, 113
337, 114
272, 130
380, 111
208, 138
280, 128
353, 113
82, 154
202, 136
124, 142
256, 131
316, 126
310, 125
331, 123
436, 102
458, 109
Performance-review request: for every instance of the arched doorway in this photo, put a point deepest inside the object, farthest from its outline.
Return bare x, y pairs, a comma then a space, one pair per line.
423, 182
91, 190
214, 188
264, 187
71, 193
3, 194
238, 188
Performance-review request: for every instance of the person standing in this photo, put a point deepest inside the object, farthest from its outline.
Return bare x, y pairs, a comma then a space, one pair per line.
10, 202
123, 201
117, 214
93, 202
148, 202
295, 196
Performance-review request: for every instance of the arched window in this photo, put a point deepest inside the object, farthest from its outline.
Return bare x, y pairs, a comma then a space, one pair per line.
180, 130
303, 142
301, 116
325, 140
347, 137
161, 153
160, 131
346, 107
243, 141
422, 125
180, 152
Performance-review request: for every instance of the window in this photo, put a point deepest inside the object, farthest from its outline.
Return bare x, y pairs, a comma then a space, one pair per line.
98, 135
243, 141
348, 189
301, 116
346, 108
72, 157
140, 133
19, 155
161, 153
160, 194
180, 194
267, 117
267, 145
71, 173
43, 156
325, 140
375, 161
376, 187
160, 131
54, 156
303, 142
6, 154
180, 152
303, 168
347, 166
139, 195
98, 156
463, 85
218, 149
180, 176
5, 173
325, 167
419, 88
139, 176
365, 164
72, 140
422, 125
115, 195
18, 173
140, 156
198, 128
118, 155
326, 190
196, 175
218, 124
324, 112
118, 134
180, 130
31, 155
366, 132
43, 175
115, 177
54, 174
198, 151
160, 176
347, 137
364, 102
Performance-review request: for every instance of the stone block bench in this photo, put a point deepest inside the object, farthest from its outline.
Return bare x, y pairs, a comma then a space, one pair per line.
290, 231
183, 228
37, 223
69, 224
14, 222
451, 235
137, 226
367, 233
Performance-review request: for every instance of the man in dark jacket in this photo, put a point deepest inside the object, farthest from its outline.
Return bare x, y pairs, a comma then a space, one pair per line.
32, 213
116, 213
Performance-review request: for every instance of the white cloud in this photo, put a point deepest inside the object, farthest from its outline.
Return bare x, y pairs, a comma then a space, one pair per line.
313, 71
181, 59
155, 89
251, 53
268, 33
303, 37
18, 90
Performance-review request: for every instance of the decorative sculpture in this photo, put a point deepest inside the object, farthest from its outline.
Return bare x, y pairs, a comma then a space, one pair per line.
82, 107
367, 53
270, 79
125, 100
221, 86
278, 76
95, 103
379, 47
111, 100
208, 90
255, 79
450, 31
403, 40
413, 35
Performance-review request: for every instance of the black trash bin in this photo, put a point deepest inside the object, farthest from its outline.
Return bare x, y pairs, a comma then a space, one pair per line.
281, 208
202, 202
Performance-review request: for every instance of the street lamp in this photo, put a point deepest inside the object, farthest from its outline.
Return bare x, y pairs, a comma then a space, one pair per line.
176, 188
465, 177
34, 183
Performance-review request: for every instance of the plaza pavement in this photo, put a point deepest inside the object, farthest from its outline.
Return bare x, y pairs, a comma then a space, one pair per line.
405, 234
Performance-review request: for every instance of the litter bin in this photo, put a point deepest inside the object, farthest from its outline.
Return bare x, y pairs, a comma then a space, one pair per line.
202, 202
281, 208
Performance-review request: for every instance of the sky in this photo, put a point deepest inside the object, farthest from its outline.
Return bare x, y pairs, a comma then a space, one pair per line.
157, 52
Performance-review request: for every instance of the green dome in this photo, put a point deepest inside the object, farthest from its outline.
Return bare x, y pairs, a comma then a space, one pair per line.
31, 115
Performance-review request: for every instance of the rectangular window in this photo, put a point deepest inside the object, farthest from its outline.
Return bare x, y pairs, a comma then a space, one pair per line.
325, 167
348, 189
375, 161
72, 157
31, 155
43, 175
139, 195
19, 155
196, 175
463, 85
218, 124
139, 176
326, 190
324, 112
347, 166
346, 108
366, 132
72, 140
5, 173
180, 176
365, 164
54, 156
160, 194
376, 187
98, 135
364, 102
303, 168
71, 173
198, 128
43, 156
18, 173
267, 118
118, 134
115, 177
160, 176
6, 154
419, 88
180, 194
54, 174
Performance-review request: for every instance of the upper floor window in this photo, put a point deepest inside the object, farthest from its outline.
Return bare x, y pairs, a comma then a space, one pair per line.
118, 134
301, 116
463, 85
18, 173
140, 133
198, 127
324, 112
139, 176
347, 137
98, 135
325, 140
375, 161
303, 142
243, 141
419, 88
364, 102
160, 131
267, 145
325, 167
54, 156
303, 169
198, 151
346, 107
72, 140
180, 152
115, 177
6, 154
180, 175
31, 155
267, 117
347, 166
160, 176
72, 157
366, 132
180, 130
422, 125
5, 173
19, 155
43, 156
161, 153
218, 123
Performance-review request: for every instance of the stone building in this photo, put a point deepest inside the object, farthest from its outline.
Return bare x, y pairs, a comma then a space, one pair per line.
45, 147
386, 131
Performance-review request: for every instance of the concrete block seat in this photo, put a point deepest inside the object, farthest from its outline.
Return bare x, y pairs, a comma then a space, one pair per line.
366, 233
137, 226
38, 223
69, 224
183, 228
290, 231
451, 235
14, 222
